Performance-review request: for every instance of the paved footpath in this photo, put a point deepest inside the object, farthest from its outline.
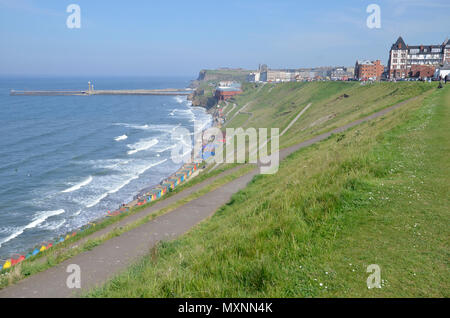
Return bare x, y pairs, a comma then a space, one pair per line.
115, 255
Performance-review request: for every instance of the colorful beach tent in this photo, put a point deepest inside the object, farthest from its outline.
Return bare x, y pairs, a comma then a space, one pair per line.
169, 184
16, 258
157, 193
163, 189
182, 176
7, 264
175, 181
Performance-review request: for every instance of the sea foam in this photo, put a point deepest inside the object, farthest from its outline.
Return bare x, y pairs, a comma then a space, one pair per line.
117, 188
120, 138
39, 218
143, 144
79, 185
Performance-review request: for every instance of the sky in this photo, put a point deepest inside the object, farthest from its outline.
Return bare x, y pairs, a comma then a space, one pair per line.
155, 38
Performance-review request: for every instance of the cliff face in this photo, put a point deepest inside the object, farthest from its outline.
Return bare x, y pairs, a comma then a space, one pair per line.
208, 79
199, 98
238, 75
201, 75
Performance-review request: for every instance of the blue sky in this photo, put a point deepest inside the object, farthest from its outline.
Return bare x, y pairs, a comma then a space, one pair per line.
127, 38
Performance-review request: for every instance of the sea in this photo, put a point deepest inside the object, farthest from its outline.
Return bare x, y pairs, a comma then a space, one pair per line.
66, 160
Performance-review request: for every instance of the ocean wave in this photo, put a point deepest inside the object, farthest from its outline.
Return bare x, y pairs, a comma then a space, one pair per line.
180, 100
120, 138
166, 148
143, 144
79, 185
39, 218
185, 112
52, 226
111, 164
133, 126
156, 127
116, 189
97, 200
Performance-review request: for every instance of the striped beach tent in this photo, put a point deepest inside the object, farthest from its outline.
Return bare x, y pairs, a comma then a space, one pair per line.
169, 185
192, 166
188, 172
182, 176
175, 180
157, 193
163, 189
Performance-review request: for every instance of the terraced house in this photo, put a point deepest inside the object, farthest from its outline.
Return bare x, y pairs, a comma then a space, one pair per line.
416, 60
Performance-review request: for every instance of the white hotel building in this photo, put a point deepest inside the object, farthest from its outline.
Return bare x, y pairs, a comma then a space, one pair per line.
403, 57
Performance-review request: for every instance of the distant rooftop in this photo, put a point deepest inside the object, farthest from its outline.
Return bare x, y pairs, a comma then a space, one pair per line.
228, 89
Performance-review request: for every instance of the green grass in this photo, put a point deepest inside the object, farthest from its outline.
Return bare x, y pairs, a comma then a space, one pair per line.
376, 194
276, 105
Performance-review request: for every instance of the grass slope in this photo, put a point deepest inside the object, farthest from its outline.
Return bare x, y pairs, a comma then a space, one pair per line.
276, 105
377, 194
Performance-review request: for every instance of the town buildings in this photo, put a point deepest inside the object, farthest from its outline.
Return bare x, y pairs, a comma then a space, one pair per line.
227, 91
280, 75
342, 73
264, 74
416, 60
443, 72
368, 70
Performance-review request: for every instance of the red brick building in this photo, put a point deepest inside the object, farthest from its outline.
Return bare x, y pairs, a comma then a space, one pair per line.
421, 71
365, 70
225, 93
